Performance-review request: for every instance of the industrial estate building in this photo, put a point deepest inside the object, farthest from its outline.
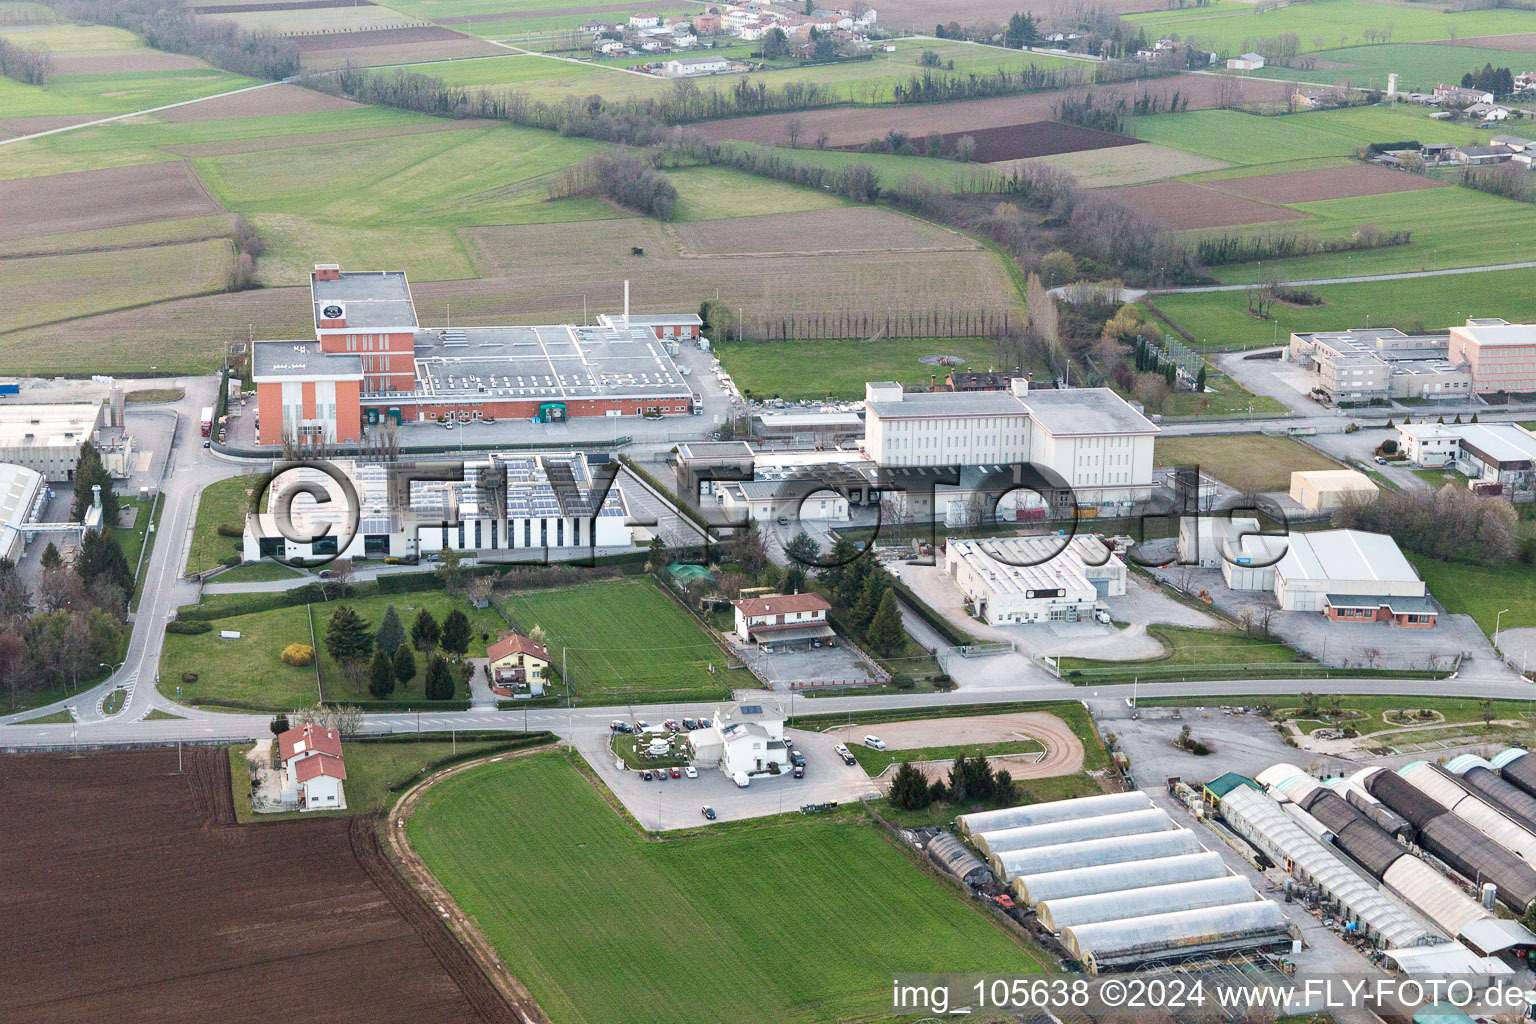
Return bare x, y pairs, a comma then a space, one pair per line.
47, 438
22, 494
1500, 456
550, 502
1035, 579
1351, 576
1322, 490
371, 361
1484, 355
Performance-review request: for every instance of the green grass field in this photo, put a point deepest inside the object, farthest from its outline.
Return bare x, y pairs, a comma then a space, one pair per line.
484, 623
1221, 321
1191, 651
1482, 591
803, 919
1419, 66
246, 671
116, 93
793, 370
713, 193
1374, 709
222, 502
877, 761
1225, 26
889, 167
1249, 462
628, 641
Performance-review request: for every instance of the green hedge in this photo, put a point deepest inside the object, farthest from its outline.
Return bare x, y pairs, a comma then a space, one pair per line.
939, 623
192, 626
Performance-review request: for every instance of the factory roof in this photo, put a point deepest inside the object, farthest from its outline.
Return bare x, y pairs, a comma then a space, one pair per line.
1345, 555
19, 487
47, 425
1027, 565
929, 404
275, 359
368, 300
1493, 333
1499, 443
1085, 411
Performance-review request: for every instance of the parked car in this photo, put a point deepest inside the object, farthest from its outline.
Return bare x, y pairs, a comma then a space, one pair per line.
207, 444
799, 771
847, 755
796, 758
671, 725
816, 642
1005, 901
691, 772
619, 725
708, 812
677, 773
689, 723
325, 574
1101, 615
646, 775
874, 742
661, 775
641, 725
1380, 461
783, 520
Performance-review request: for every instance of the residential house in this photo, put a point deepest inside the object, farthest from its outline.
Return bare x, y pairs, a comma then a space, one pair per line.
644, 21
1314, 99
708, 24
745, 738
1457, 96
1477, 156
312, 766
1525, 81
1433, 153
1246, 62
782, 618
1487, 112
518, 664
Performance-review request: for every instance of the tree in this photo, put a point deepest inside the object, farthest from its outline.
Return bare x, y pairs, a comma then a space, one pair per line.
1200, 380
1005, 791
863, 611
349, 642
1487, 712
792, 130
965, 149
909, 788
886, 634
660, 557
439, 685
279, 724
13, 659
101, 557
803, 549
425, 632
391, 633
450, 568
381, 675
748, 547
405, 665
793, 581
51, 558
775, 44
90, 472
1022, 31
456, 633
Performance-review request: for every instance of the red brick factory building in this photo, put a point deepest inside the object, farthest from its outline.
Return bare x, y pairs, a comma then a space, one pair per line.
372, 362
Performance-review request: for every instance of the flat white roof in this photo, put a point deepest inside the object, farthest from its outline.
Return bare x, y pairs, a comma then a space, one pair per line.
64, 425
1497, 335
19, 487
1345, 555
1335, 479
1050, 565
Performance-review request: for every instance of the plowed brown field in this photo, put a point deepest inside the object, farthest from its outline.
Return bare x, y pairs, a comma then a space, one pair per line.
1183, 205
131, 895
108, 198
1324, 183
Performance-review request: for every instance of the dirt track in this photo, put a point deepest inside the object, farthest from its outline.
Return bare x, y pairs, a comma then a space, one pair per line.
132, 895
1063, 750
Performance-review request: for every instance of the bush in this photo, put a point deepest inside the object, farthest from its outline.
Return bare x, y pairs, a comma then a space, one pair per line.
189, 677
231, 561
903, 682
298, 655
186, 627
230, 530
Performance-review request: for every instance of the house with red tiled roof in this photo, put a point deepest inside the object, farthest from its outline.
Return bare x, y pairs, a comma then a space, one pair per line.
312, 766
517, 663
783, 618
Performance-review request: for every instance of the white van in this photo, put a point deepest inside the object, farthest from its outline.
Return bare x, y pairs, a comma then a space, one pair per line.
874, 742
1101, 615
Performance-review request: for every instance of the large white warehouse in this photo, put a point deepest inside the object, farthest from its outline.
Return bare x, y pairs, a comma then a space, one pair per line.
1351, 576
1035, 579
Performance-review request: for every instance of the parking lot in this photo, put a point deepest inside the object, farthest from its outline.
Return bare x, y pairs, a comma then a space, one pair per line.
675, 803
839, 663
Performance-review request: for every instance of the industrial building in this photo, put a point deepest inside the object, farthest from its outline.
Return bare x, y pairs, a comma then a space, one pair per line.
1500, 356
1121, 885
1380, 362
1201, 538
1322, 490
1035, 579
47, 438
1090, 438
1492, 456
505, 504
1352, 576
22, 493
371, 361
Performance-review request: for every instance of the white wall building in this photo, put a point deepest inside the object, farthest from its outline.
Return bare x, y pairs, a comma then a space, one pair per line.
743, 740
686, 67
1201, 537
1343, 573
21, 491
550, 503
47, 438
1430, 445
1091, 437
1034, 579
313, 770
782, 617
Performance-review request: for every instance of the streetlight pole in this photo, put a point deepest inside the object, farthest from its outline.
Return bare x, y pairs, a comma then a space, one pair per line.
1496, 620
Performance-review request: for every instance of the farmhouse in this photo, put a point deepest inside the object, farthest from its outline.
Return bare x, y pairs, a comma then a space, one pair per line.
1455, 95
1034, 579
1501, 356
783, 619
550, 501
313, 770
1477, 156
1352, 576
47, 438
686, 67
517, 663
1319, 490
1246, 62
1091, 438
1487, 112
372, 362
745, 738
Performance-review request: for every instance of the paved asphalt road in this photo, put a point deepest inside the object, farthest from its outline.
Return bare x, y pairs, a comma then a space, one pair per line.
191, 467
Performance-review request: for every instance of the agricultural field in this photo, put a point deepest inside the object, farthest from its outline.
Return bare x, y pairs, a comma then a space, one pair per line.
1220, 321
1127, 165
1182, 205
1248, 462
1419, 66
1229, 27
545, 898
386, 46
793, 370
176, 911
625, 640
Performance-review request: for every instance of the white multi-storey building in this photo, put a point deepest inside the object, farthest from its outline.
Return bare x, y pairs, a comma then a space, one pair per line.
1091, 437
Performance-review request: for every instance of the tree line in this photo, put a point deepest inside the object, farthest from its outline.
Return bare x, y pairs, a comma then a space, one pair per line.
1236, 247
1451, 524
1499, 81
29, 67
622, 177
385, 659
175, 29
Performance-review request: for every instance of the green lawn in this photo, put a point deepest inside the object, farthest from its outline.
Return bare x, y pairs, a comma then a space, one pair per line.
484, 623
223, 502
713, 193
376, 771
256, 572
1419, 66
877, 761
156, 715
627, 640
1189, 652
1228, 27
57, 718
114, 702
793, 370
246, 671
131, 538
1227, 398
1249, 462
1373, 709
802, 919
1220, 321
1482, 591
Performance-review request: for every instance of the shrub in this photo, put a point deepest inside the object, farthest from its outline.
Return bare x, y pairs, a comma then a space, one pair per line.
298, 655
230, 530
903, 682
189, 677
231, 561
186, 626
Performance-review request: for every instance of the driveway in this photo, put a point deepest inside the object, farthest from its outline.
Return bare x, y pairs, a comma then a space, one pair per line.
676, 803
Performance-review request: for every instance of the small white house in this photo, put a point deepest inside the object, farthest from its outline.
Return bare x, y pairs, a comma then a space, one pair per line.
1430, 445
782, 618
1247, 62
312, 766
685, 67
644, 21
745, 739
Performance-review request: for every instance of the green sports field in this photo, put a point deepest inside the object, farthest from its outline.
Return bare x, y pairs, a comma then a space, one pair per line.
794, 920
626, 640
